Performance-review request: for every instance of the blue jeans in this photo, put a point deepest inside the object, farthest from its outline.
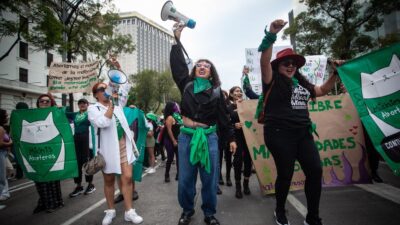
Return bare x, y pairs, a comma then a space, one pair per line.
3, 172
188, 176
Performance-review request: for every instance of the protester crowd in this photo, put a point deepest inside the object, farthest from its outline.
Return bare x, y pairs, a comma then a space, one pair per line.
196, 135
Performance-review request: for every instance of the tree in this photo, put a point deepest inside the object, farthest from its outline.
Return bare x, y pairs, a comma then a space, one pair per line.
30, 12
348, 21
311, 34
152, 89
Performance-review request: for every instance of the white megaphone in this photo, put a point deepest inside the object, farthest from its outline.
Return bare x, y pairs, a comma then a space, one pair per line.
169, 12
117, 77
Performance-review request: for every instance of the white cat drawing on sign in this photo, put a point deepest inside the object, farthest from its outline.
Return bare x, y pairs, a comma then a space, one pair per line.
381, 91
383, 82
44, 148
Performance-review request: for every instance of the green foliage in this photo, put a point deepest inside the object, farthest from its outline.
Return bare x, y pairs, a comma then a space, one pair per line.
85, 28
338, 28
152, 89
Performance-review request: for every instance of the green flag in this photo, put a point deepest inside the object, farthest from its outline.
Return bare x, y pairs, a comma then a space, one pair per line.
373, 82
44, 144
137, 123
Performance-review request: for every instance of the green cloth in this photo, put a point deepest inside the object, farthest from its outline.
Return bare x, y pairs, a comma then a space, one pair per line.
199, 152
38, 154
132, 115
178, 118
267, 41
201, 84
152, 116
295, 82
259, 108
81, 121
246, 82
120, 130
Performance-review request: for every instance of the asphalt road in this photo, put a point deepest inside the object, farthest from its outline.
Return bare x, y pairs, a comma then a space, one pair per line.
373, 204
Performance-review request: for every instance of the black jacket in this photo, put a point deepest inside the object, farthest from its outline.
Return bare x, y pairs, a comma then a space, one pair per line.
206, 107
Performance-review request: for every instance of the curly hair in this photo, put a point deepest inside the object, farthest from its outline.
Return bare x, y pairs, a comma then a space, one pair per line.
214, 77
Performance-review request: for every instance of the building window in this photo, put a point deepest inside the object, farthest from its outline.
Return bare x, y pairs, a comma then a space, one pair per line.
49, 59
23, 75
23, 24
23, 50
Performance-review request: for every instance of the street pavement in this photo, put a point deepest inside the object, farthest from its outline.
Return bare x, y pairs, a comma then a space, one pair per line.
372, 204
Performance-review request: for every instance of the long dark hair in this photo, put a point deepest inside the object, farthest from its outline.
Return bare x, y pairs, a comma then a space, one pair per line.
3, 118
214, 78
170, 108
231, 92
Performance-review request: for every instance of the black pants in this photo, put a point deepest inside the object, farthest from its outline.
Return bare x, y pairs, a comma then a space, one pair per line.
83, 154
242, 156
225, 151
286, 146
50, 196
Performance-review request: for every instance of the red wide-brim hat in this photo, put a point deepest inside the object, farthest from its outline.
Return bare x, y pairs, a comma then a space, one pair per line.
288, 53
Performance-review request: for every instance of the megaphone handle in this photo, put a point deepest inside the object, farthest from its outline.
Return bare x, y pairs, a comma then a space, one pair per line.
183, 48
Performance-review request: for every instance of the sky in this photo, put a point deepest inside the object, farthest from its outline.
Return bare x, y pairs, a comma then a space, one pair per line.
224, 28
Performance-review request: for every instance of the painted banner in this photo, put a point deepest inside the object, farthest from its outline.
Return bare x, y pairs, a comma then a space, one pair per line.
340, 144
315, 69
72, 77
373, 82
44, 144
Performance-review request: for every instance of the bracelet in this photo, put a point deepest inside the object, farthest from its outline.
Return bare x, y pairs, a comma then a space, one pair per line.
267, 41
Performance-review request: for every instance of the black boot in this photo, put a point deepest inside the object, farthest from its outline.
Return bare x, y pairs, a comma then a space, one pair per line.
246, 189
238, 193
228, 181
167, 168
166, 179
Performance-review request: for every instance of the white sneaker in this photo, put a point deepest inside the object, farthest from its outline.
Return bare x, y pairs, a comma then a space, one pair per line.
110, 215
132, 216
151, 170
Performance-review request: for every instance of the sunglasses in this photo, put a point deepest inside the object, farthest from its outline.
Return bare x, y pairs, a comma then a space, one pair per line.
100, 89
288, 62
44, 101
205, 65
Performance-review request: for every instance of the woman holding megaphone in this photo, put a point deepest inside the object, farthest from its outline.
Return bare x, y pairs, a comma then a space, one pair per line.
202, 107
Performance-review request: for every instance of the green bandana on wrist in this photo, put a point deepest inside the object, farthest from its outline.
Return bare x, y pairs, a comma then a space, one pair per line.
267, 41
246, 82
201, 84
259, 108
295, 82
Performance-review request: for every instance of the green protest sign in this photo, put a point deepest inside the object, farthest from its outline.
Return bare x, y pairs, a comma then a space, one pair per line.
44, 144
373, 82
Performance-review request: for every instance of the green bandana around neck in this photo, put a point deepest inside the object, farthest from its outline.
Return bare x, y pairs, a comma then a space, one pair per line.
295, 81
201, 84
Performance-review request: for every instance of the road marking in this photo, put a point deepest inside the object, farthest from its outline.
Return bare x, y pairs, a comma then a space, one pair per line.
86, 211
22, 184
94, 206
20, 188
297, 205
383, 190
